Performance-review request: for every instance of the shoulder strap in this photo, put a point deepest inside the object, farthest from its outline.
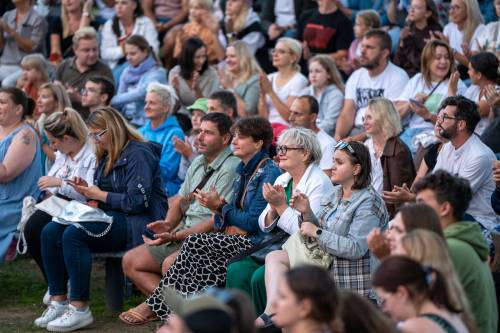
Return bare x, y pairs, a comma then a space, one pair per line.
442, 322
207, 176
249, 180
278, 237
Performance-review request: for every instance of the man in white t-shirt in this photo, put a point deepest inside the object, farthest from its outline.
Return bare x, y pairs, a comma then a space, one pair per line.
378, 77
303, 113
466, 156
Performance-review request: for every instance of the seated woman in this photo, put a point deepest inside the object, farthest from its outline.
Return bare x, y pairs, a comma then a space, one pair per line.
391, 160
489, 41
299, 154
35, 74
193, 77
423, 21
204, 25
74, 157
483, 72
52, 97
202, 260
20, 163
430, 248
242, 23
327, 87
127, 188
142, 69
417, 298
279, 89
408, 218
340, 228
307, 302
129, 20
242, 77
420, 99
463, 31
74, 15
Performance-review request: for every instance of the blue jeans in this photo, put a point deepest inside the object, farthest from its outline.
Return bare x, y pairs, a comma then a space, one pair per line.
67, 251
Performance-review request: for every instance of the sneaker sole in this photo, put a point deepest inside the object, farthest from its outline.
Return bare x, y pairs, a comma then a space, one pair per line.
82, 324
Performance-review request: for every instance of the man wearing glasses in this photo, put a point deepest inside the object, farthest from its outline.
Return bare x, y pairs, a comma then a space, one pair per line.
97, 93
465, 155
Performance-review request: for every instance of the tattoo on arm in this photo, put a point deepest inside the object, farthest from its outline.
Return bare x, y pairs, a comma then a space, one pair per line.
26, 138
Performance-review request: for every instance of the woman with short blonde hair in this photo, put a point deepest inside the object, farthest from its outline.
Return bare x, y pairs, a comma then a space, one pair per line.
279, 90
392, 162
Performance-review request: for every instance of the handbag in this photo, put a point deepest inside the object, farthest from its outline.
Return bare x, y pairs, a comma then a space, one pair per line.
304, 250
74, 213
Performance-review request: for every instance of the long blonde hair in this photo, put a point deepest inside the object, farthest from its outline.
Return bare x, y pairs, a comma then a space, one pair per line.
248, 65
64, 20
239, 22
474, 18
60, 95
119, 131
430, 249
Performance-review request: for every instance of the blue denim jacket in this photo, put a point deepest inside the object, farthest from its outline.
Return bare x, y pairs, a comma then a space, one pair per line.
254, 203
137, 187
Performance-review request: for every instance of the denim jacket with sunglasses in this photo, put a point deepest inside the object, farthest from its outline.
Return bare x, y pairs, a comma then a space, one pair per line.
137, 189
345, 225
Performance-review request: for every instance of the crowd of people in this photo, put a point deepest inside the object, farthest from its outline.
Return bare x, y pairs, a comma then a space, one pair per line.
305, 166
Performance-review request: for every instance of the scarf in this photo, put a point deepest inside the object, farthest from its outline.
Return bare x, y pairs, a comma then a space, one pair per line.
132, 75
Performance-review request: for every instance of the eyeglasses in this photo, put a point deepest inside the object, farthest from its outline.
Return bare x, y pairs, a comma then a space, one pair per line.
454, 7
97, 136
85, 91
444, 116
343, 145
283, 149
279, 51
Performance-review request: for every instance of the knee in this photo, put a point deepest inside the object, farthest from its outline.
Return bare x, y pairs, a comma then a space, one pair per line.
274, 257
257, 281
51, 233
129, 260
72, 236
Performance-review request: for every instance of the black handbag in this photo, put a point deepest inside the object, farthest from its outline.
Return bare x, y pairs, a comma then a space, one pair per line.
271, 242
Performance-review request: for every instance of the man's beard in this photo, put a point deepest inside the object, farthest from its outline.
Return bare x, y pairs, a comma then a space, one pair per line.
371, 65
449, 133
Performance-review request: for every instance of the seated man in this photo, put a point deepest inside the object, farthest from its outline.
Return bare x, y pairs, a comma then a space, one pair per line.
378, 77
215, 167
74, 72
450, 196
303, 113
162, 127
97, 93
223, 101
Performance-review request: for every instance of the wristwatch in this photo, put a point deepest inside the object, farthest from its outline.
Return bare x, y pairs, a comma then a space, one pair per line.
319, 232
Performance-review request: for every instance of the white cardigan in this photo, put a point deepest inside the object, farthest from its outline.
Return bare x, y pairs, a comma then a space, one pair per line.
111, 51
315, 184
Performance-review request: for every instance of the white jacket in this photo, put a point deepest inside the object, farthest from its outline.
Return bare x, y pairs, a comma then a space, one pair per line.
111, 51
315, 184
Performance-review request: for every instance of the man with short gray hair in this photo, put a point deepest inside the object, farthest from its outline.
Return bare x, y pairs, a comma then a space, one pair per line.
74, 72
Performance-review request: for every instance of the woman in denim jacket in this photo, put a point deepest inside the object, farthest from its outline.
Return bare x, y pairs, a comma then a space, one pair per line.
340, 228
203, 257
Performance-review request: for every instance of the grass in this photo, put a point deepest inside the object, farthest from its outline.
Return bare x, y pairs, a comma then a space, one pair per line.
22, 288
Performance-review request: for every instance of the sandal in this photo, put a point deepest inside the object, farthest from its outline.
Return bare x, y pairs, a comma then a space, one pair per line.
266, 319
134, 318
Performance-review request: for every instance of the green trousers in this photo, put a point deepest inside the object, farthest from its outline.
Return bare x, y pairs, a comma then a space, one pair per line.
248, 276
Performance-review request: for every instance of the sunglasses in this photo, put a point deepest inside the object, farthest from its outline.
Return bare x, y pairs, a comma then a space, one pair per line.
345, 145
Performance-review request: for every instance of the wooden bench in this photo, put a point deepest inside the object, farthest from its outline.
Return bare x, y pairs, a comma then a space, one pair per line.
115, 279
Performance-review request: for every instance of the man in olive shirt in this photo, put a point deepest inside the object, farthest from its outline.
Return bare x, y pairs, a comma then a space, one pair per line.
74, 72
216, 166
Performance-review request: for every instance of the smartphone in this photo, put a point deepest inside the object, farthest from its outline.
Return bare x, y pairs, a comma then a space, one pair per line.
149, 234
417, 103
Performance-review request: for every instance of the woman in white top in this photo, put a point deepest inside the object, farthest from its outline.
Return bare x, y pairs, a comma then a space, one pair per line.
328, 89
281, 88
75, 157
419, 102
489, 40
466, 25
483, 72
129, 20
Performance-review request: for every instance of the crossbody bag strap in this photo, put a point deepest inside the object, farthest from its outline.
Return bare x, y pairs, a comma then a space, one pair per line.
251, 177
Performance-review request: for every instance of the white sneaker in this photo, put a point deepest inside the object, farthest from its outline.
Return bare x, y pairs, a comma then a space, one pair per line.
71, 320
46, 297
53, 311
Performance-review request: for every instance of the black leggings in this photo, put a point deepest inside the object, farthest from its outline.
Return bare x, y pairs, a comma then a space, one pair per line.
32, 232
